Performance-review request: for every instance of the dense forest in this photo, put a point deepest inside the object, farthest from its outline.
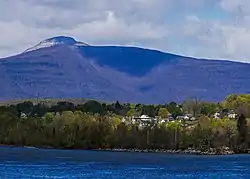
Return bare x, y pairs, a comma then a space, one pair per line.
96, 125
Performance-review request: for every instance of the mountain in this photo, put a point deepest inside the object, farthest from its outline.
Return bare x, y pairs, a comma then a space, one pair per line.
61, 67
60, 40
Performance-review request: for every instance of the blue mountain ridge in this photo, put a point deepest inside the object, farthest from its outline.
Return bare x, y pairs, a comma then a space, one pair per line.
61, 67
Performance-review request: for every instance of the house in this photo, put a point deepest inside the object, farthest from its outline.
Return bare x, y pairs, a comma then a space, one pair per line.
145, 118
123, 119
144, 121
23, 115
216, 115
192, 119
187, 117
180, 117
163, 121
142, 118
170, 118
232, 115
225, 113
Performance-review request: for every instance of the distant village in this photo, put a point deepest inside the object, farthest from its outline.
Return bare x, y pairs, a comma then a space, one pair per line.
140, 119
145, 120
207, 127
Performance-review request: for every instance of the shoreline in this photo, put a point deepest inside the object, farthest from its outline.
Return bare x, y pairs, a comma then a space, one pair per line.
165, 151
190, 151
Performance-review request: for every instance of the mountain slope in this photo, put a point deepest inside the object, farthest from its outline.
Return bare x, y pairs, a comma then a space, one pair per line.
61, 67
56, 72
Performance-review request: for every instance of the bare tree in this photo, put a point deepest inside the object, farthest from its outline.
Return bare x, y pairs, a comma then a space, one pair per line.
192, 106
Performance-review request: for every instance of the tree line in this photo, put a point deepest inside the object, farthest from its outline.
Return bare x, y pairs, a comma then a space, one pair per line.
94, 125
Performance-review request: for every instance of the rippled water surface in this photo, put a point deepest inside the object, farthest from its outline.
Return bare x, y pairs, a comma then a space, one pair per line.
40, 163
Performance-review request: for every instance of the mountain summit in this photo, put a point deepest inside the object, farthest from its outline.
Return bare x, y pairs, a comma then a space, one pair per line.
59, 40
53, 69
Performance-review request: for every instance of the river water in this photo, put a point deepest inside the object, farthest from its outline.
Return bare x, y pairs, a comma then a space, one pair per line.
47, 163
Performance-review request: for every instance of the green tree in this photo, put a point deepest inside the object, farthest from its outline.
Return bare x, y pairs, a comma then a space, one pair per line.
93, 107
175, 109
131, 113
149, 110
163, 113
242, 129
209, 109
48, 118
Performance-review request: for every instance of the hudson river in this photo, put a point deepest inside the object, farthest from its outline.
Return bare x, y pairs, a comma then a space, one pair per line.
41, 163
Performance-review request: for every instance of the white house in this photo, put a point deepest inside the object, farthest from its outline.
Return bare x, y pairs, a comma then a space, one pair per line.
216, 115
145, 118
123, 119
23, 115
232, 115
186, 117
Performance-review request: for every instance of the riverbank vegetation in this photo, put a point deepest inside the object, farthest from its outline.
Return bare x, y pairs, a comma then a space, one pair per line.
95, 125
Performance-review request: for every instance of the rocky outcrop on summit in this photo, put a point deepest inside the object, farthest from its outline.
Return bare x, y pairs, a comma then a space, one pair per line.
60, 40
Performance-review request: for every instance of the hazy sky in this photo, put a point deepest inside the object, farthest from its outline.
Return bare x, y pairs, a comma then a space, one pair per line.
200, 28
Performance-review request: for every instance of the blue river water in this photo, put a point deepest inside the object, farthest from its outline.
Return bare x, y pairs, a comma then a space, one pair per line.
47, 163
